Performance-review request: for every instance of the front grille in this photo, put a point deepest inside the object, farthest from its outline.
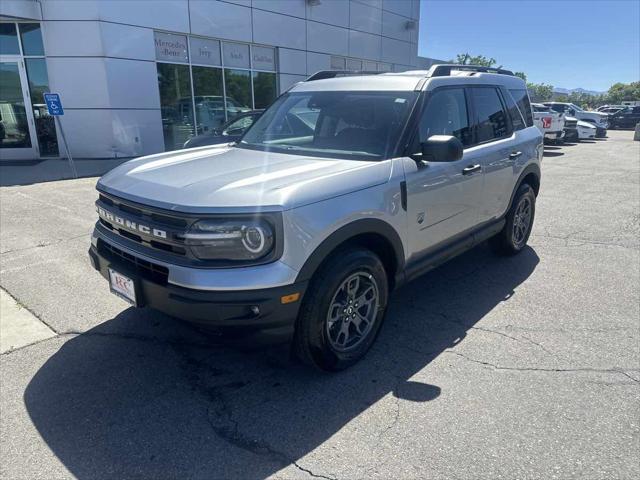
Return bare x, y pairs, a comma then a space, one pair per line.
148, 270
120, 210
570, 123
141, 212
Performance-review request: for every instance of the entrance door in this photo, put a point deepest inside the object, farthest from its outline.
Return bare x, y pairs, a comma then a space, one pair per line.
18, 140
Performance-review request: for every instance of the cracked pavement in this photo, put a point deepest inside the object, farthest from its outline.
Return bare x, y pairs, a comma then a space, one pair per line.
523, 367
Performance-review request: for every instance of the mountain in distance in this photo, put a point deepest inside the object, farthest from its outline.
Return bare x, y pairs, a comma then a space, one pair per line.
567, 91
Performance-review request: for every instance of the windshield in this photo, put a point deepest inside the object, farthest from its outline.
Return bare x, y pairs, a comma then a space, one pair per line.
576, 108
354, 125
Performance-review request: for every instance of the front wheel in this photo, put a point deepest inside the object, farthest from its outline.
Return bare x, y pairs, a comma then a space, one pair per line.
342, 311
519, 222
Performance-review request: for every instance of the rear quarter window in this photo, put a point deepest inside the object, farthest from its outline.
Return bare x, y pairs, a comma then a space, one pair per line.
521, 97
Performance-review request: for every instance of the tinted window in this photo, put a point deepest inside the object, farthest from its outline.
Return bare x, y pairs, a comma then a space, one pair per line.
9, 39
517, 119
31, 39
446, 114
176, 106
491, 120
522, 100
264, 89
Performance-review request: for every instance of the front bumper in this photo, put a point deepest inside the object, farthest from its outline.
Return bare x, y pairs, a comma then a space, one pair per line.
601, 132
571, 134
259, 315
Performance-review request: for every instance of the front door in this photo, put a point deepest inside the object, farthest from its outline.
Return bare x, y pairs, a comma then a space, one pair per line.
443, 197
18, 140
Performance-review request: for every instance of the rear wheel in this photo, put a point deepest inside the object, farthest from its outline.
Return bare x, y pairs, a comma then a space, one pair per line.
519, 222
342, 311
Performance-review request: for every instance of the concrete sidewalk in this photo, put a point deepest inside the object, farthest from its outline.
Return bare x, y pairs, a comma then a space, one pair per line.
27, 172
18, 326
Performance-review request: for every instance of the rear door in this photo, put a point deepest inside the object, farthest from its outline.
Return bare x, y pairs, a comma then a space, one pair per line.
497, 145
443, 197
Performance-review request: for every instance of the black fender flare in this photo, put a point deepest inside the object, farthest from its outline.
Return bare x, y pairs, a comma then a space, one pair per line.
350, 231
531, 168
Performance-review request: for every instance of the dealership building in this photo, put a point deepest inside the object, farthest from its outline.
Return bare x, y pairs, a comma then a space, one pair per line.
141, 76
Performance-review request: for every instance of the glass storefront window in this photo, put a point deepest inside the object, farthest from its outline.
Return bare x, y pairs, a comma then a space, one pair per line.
208, 96
45, 124
176, 104
31, 39
14, 126
235, 55
204, 51
264, 89
238, 89
9, 39
217, 81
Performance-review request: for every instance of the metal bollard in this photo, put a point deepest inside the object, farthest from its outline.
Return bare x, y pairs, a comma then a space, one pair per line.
636, 135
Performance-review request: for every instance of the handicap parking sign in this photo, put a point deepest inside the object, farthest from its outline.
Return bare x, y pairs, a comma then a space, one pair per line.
54, 104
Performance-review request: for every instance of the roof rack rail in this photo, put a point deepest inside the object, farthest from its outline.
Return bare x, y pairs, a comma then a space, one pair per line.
444, 70
324, 74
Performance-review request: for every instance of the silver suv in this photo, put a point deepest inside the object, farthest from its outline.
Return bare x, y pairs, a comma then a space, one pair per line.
348, 186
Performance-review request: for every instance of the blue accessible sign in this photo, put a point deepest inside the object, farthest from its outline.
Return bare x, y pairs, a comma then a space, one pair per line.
54, 104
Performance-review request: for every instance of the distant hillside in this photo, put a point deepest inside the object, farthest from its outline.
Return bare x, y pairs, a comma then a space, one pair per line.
567, 91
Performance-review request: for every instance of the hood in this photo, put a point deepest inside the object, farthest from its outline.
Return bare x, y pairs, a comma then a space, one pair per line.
594, 115
586, 124
210, 179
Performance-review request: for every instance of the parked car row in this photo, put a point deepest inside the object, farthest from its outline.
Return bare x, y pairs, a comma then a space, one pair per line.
558, 127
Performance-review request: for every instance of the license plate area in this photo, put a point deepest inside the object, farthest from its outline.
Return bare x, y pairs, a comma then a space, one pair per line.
123, 286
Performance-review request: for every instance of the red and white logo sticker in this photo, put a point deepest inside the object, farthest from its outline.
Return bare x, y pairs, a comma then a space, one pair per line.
546, 122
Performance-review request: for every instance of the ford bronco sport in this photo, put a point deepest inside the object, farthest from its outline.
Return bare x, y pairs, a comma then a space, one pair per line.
348, 186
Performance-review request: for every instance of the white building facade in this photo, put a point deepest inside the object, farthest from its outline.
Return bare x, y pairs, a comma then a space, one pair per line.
141, 76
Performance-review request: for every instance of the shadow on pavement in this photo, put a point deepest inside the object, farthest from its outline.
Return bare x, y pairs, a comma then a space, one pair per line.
552, 154
114, 404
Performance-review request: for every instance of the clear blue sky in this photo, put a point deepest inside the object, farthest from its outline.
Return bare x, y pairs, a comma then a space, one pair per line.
568, 43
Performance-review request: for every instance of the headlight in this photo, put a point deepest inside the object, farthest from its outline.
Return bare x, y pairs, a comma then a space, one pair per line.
221, 239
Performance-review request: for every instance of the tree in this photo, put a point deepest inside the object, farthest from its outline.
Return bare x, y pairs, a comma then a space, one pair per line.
522, 75
540, 92
467, 59
623, 91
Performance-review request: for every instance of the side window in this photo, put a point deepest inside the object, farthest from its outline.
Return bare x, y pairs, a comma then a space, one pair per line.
521, 98
517, 119
446, 114
490, 116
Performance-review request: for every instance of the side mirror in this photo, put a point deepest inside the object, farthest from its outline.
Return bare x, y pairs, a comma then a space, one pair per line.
441, 148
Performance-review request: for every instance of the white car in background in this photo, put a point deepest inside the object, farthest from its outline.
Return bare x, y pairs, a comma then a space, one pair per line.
586, 130
549, 122
600, 120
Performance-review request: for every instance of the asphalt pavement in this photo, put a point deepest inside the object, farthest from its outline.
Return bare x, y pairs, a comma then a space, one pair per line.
488, 367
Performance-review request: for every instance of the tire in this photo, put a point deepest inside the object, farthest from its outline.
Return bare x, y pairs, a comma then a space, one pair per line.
322, 326
512, 240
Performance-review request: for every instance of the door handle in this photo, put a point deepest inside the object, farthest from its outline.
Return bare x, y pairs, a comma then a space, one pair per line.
471, 169
514, 155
